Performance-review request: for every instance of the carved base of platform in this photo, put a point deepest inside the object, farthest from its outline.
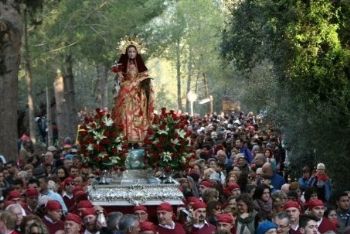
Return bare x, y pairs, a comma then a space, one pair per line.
135, 186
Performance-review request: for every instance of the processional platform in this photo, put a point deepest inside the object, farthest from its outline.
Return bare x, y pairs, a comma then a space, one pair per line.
135, 187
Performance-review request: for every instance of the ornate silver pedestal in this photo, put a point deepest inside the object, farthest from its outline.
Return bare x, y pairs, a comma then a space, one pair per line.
135, 186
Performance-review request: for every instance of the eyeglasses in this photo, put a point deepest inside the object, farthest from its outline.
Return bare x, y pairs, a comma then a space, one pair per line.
282, 226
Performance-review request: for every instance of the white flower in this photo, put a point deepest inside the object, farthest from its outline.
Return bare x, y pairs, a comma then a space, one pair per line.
174, 141
98, 136
166, 156
90, 147
107, 121
181, 133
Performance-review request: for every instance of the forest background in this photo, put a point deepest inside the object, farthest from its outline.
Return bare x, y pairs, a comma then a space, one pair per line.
288, 59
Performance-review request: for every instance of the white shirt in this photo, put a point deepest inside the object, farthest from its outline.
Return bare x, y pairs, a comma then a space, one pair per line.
168, 226
200, 225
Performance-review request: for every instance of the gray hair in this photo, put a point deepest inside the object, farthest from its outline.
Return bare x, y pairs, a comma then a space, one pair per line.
113, 220
127, 222
282, 215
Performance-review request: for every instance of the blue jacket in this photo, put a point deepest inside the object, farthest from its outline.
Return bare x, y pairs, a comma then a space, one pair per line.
247, 154
277, 181
325, 188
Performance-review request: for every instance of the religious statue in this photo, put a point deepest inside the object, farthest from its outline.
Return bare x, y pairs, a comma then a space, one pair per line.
134, 103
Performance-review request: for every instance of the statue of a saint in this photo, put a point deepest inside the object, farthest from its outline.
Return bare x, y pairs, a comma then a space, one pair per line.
134, 103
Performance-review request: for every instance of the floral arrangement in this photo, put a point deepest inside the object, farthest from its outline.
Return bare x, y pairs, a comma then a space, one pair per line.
168, 142
101, 142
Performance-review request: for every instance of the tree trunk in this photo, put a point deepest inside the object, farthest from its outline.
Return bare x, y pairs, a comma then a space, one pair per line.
69, 95
49, 119
206, 90
61, 112
10, 44
29, 79
101, 87
189, 77
178, 75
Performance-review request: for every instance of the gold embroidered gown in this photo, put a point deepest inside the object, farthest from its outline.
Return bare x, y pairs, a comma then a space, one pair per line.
133, 110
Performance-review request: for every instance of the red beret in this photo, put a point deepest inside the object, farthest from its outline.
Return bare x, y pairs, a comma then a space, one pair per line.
32, 192
76, 189
314, 202
140, 207
13, 194
291, 204
207, 184
224, 218
230, 187
80, 196
53, 205
84, 204
73, 217
199, 205
191, 200
147, 226
165, 206
67, 181
88, 211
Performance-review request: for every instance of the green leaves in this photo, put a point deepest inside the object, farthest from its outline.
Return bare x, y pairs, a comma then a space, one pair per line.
307, 44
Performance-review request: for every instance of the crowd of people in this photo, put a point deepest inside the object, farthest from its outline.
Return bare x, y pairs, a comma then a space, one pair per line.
235, 184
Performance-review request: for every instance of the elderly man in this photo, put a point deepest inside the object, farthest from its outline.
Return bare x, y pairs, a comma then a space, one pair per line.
141, 212
129, 224
166, 224
16, 210
200, 224
7, 223
283, 223
72, 224
225, 223
321, 182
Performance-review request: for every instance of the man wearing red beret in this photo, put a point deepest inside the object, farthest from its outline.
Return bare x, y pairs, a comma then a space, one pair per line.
317, 209
14, 196
165, 218
53, 216
141, 212
82, 205
205, 184
293, 210
72, 224
232, 190
200, 225
225, 222
89, 219
67, 193
32, 197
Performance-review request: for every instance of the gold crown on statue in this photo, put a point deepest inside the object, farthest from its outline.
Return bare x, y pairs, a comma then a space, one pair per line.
131, 40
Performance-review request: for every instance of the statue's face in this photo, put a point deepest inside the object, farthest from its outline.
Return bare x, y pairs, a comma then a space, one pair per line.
132, 53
